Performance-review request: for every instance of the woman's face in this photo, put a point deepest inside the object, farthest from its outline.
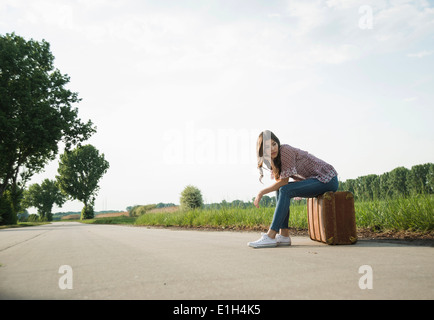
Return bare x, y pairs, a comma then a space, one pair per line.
271, 149
274, 149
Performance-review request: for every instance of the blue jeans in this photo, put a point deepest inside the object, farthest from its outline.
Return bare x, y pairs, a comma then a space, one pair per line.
306, 189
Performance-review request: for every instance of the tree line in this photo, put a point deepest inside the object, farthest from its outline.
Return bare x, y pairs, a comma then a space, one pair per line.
400, 182
37, 114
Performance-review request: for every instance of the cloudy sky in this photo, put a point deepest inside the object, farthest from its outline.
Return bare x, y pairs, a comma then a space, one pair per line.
180, 90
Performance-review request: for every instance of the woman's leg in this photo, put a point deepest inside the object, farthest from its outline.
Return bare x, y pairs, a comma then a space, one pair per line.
284, 230
307, 189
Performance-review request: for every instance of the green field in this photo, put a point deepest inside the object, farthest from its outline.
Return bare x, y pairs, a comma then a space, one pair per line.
409, 214
412, 213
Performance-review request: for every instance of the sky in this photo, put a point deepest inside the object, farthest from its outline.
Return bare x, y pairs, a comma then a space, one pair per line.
180, 90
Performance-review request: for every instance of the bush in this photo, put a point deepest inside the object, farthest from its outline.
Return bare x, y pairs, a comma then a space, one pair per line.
33, 218
137, 211
87, 212
191, 198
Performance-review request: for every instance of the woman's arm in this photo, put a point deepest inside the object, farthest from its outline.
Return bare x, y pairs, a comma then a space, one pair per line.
274, 187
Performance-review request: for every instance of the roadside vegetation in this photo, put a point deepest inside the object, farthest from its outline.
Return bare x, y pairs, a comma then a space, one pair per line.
23, 224
398, 210
399, 201
412, 213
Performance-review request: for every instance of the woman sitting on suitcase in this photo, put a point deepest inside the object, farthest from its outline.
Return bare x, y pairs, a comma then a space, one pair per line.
312, 177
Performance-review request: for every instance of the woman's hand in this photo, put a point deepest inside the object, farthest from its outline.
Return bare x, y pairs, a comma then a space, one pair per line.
257, 199
274, 187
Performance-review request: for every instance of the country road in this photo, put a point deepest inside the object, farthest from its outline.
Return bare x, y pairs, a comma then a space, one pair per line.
122, 262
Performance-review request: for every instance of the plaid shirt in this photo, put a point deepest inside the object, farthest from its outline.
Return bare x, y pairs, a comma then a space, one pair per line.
300, 164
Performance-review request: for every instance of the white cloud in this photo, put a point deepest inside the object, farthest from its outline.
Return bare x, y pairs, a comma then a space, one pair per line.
308, 16
420, 54
186, 39
335, 23
399, 25
410, 99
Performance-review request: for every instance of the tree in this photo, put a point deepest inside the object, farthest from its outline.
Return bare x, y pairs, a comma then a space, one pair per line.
8, 209
385, 188
36, 110
43, 197
80, 171
350, 185
191, 198
369, 187
398, 181
417, 179
266, 201
430, 179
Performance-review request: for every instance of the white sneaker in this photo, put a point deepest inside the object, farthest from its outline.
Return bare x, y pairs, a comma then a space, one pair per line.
283, 241
264, 242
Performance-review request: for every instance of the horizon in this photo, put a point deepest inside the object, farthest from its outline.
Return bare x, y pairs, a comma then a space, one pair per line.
176, 204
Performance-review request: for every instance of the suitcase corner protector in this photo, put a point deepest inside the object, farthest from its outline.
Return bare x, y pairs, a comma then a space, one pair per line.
328, 195
330, 240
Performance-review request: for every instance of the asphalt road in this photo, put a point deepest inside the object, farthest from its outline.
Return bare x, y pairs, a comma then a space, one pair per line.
121, 262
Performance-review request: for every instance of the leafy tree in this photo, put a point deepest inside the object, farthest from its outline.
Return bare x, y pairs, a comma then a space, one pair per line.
369, 186
417, 180
10, 204
162, 205
43, 196
385, 188
80, 171
266, 201
350, 185
430, 179
398, 181
191, 198
237, 204
36, 110
7, 215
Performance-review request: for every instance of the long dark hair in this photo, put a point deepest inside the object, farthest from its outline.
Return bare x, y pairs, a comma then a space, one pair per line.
276, 164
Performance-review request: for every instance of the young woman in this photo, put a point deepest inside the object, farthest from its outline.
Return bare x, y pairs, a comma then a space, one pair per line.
311, 176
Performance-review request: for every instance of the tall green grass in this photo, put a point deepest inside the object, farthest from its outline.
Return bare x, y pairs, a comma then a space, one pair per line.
413, 213
237, 218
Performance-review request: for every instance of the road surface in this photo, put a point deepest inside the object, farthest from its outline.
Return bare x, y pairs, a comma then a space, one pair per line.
123, 262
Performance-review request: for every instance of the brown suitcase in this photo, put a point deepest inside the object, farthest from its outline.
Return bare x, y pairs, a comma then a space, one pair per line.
332, 218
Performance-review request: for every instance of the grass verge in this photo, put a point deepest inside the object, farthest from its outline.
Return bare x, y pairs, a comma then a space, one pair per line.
110, 220
23, 224
415, 214
225, 218
412, 215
